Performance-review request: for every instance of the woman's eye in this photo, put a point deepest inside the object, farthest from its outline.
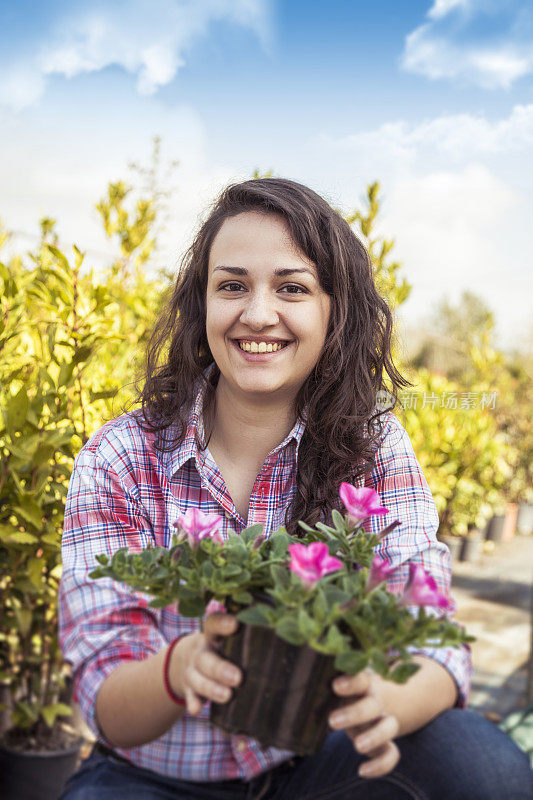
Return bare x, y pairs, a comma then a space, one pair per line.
294, 289
231, 287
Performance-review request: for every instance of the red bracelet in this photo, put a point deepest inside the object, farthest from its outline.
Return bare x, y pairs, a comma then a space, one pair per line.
173, 696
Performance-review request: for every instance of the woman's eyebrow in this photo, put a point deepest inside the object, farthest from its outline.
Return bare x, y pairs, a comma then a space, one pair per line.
280, 273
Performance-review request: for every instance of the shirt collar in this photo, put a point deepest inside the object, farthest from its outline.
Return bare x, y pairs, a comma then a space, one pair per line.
193, 443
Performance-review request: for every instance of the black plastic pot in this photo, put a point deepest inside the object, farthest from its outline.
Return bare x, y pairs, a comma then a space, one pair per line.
495, 529
25, 775
285, 697
472, 546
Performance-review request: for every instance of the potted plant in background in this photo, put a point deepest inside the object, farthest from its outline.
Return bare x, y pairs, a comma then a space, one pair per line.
310, 608
39, 386
464, 455
52, 396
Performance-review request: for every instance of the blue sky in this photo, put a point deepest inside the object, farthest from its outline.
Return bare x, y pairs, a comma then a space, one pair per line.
433, 98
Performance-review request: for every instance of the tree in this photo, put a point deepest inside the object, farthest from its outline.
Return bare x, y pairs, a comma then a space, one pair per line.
394, 287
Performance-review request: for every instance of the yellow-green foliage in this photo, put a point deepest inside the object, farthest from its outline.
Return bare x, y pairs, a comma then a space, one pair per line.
464, 456
68, 348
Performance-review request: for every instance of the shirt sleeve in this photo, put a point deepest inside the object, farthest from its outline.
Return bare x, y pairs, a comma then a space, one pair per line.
102, 623
403, 489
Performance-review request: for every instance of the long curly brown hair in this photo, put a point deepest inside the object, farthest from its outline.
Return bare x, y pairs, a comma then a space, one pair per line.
338, 399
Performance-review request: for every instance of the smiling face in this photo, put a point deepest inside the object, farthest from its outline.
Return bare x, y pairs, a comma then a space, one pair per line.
266, 313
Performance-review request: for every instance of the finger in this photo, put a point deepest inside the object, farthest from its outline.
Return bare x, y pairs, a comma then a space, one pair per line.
382, 761
194, 703
349, 685
367, 709
220, 625
377, 734
218, 669
207, 688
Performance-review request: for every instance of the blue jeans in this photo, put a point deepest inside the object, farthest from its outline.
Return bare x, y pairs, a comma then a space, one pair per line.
457, 756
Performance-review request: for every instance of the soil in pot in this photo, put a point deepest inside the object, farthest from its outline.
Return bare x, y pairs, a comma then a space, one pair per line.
37, 774
285, 697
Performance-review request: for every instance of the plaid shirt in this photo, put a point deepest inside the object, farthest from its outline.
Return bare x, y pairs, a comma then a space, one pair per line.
124, 493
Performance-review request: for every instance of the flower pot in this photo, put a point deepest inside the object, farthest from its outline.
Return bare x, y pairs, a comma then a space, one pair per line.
285, 697
471, 546
524, 521
509, 523
5, 711
495, 528
454, 545
27, 775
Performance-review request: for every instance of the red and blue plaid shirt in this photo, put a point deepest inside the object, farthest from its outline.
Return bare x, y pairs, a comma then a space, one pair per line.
124, 493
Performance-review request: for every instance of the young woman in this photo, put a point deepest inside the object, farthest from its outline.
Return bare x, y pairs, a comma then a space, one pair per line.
259, 400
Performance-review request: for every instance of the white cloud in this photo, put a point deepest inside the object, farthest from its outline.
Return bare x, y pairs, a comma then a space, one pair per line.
442, 8
52, 174
149, 38
457, 199
20, 87
455, 136
450, 45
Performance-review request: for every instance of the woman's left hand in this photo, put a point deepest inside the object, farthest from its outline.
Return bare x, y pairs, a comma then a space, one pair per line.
366, 722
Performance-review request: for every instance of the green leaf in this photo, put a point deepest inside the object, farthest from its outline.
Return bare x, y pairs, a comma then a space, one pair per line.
288, 629
320, 605
352, 662
24, 619
24, 715
43, 453
250, 534
379, 662
7, 531
65, 373
255, 615
59, 256
305, 526
334, 642
192, 606
54, 710
51, 539
30, 511
81, 354
242, 597
281, 576
16, 410
104, 394
35, 571
338, 520
402, 672
21, 537
307, 626
327, 529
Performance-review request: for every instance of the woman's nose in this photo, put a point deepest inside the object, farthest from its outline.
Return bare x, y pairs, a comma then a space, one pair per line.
259, 311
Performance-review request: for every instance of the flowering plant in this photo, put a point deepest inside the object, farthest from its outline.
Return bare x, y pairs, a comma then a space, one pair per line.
326, 590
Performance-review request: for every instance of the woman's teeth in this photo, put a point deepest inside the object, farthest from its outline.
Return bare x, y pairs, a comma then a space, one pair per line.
262, 347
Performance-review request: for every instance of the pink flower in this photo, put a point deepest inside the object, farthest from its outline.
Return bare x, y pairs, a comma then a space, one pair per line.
422, 590
311, 562
361, 503
214, 607
380, 571
195, 525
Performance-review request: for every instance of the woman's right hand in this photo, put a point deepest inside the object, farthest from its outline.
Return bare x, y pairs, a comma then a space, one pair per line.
196, 672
